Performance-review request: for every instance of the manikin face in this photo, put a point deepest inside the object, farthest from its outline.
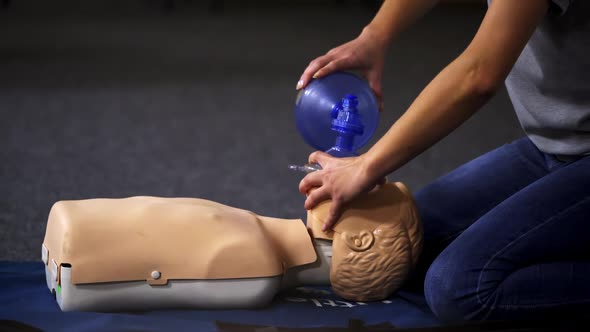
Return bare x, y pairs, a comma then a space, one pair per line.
375, 243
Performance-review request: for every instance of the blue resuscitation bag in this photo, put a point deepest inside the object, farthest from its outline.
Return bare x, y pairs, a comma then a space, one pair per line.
337, 113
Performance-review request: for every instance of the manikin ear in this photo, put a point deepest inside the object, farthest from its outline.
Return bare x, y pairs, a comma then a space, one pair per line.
358, 242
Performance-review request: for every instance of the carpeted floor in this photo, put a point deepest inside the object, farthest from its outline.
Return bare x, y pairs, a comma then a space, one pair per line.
102, 99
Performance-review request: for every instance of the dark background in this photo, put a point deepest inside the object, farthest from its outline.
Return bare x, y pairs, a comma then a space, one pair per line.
121, 98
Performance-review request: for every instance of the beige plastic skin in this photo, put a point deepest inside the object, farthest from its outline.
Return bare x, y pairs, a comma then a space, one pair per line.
376, 242
126, 239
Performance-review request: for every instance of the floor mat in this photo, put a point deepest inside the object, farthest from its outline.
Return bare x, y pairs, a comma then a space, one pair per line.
28, 304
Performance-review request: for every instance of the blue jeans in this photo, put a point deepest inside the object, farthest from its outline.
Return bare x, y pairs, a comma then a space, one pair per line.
507, 236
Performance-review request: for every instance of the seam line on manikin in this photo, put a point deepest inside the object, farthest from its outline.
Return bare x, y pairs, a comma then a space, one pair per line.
479, 300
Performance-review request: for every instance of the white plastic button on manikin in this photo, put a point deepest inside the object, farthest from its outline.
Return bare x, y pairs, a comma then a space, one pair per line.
156, 275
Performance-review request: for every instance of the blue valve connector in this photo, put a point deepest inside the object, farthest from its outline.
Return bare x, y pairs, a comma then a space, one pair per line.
347, 123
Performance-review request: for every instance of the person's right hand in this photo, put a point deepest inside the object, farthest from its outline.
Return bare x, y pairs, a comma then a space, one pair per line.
365, 54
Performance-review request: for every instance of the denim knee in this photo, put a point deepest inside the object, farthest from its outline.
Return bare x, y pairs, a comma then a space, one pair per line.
439, 290
450, 288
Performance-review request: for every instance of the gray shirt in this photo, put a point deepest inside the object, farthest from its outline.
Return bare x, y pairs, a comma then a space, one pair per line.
549, 85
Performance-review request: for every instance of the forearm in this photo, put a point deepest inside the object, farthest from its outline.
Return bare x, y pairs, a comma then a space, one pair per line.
450, 99
396, 15
462, 87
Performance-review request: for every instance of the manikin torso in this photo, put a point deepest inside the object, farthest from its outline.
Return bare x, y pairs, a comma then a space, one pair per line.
160, 241
142, 253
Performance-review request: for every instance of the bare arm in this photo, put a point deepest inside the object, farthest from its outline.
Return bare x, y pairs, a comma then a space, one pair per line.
366, 53
394, 16
455, 94
463, 86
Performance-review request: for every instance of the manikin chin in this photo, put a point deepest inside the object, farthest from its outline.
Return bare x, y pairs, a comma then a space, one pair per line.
143, 253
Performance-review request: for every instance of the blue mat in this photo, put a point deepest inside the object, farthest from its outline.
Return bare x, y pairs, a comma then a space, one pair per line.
25, 298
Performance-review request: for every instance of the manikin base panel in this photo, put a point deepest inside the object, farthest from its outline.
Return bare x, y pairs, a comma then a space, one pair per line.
177, 294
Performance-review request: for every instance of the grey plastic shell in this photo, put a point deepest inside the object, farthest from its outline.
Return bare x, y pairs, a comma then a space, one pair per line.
177, 294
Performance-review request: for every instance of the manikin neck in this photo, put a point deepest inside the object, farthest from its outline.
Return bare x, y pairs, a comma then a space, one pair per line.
314, 274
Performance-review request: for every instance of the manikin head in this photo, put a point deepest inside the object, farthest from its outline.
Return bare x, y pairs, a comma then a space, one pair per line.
376, 242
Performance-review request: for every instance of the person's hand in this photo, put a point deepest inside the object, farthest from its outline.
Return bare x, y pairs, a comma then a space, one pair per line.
340, 179
365, 54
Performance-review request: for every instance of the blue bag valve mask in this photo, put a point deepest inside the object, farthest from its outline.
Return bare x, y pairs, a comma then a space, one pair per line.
337, 114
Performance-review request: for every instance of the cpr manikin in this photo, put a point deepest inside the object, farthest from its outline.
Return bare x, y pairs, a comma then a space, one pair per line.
142, 253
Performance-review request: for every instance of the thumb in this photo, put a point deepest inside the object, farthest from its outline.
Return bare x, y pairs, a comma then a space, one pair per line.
319, 157
380, 183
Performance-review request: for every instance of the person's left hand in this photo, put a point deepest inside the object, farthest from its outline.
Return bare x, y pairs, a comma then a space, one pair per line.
340, 179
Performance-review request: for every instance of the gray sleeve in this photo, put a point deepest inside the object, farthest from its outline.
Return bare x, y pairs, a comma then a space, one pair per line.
559, 7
